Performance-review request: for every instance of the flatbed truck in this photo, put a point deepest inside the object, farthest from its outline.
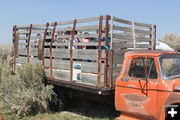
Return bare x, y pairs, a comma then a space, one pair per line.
116, 64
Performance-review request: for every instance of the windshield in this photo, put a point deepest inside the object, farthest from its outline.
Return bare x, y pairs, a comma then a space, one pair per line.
170, 66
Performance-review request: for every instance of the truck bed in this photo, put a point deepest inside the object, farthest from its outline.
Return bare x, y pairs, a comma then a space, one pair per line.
88, 66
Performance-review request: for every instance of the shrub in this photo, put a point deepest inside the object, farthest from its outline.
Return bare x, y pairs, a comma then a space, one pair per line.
172, 40
23, 93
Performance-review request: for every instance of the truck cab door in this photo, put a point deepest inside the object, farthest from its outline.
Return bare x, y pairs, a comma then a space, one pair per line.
136, 92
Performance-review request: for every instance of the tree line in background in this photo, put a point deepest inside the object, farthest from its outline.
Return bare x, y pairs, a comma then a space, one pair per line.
172, 39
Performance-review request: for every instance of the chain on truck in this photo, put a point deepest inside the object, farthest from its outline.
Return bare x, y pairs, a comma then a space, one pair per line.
103, 58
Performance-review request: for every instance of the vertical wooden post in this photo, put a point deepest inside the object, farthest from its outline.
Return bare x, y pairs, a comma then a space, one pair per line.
99, 52
44, 39
154, 38
51, 43
28, 42
14, 48
110, 68
134, 35
106, 51
71, 49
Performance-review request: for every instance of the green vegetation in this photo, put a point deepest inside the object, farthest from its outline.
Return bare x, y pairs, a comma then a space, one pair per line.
24, 92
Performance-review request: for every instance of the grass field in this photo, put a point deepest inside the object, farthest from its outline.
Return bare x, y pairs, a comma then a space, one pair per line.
65, 115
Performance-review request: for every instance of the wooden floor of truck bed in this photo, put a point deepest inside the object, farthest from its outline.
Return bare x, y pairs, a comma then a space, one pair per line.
82, 87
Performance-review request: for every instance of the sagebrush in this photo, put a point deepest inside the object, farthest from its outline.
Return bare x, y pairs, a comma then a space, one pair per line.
24, 92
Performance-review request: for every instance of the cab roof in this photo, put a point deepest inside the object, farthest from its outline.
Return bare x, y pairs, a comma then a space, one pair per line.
154, 53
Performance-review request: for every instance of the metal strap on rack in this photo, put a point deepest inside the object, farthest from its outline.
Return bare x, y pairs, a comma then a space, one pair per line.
99, 52
44, 39
71, 49
106, 69
134, 35
14, 47
28, 43
153, 36
110, 68
51, 43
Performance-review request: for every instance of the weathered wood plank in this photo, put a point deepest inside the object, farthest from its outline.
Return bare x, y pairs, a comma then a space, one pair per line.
86, 54
142, 24
86, 78
129, 29
76, 44
95, 35
35, 30
65, 75
23, 60
27, 26
118, 58
32, 51
122, 45
80, 28
122, 20
59, 74
129, 37
86, 67
92, 78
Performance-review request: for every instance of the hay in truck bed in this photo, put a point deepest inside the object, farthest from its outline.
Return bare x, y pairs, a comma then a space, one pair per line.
84, 54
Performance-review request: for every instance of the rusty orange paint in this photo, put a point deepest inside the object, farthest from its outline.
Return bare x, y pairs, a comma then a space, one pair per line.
1, 118
141, 97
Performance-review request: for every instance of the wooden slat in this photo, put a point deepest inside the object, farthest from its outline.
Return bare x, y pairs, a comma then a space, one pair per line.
122, 20
24, 44
32, 51
129, 37
142, 24
87, 78
81, 36
78, 21
129, 29
23, 60
118, 58
92, 78
76, 44
86, 67
64, 36
79, 28
27, 26
35, 31
59, 74
32, 38
87, 54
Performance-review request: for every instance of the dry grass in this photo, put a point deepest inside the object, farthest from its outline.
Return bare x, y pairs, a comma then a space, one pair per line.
7, 115
61, 116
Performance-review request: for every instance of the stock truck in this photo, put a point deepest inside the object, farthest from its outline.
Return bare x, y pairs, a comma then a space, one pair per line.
104, 58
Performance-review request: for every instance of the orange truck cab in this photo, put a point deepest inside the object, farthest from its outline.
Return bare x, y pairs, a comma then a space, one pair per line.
148, 83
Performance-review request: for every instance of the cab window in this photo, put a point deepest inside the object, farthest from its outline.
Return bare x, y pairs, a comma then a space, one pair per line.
142, 67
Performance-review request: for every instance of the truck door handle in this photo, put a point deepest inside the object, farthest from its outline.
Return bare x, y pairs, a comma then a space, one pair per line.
124, 79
